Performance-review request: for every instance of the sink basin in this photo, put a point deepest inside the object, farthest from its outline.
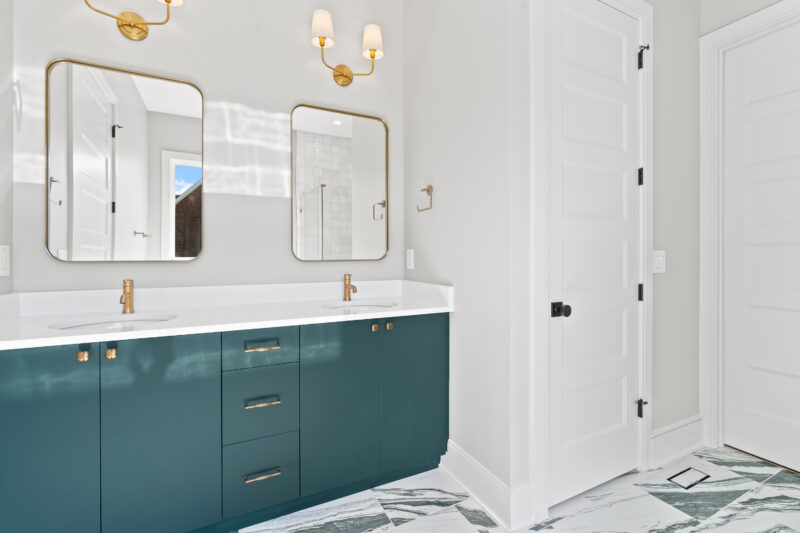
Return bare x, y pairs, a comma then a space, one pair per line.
361, 307
113, 322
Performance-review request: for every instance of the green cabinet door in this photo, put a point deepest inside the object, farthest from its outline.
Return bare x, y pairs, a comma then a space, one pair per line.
339, 404
414, 390
50, 443
161, 434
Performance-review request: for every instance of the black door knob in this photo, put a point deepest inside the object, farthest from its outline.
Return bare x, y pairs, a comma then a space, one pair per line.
558, 309
567, 311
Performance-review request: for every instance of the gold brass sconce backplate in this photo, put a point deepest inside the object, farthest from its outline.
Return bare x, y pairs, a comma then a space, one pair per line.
343, 75
132, 26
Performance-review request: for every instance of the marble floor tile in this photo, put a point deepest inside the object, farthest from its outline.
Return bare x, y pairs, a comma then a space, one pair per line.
478, 517
703, 500
359, 513
449, 520
768, 508
739, 462
418, 496
629, 510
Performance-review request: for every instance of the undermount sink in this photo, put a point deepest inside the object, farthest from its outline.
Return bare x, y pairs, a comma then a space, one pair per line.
113, 322
361, 307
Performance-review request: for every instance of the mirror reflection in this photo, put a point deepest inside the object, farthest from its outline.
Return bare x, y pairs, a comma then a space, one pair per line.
339, 185
125, 165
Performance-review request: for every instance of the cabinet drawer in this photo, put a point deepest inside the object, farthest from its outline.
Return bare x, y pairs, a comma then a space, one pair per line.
260, 347
260, 473
259, 402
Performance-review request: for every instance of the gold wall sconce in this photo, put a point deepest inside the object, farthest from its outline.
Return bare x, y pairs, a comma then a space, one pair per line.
322, 38
133, 26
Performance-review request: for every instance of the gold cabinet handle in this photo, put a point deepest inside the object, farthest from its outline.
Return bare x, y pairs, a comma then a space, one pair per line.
83, 356
375, 328
261, 405
261, 477
389, 326
262, 349
111, 353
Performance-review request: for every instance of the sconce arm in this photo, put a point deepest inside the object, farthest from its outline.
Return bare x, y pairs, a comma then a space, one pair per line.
366, 73
116, 17
322, 49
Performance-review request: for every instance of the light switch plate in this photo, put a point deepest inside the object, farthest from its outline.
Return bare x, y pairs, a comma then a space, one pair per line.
659, 262
410, 259
5, 261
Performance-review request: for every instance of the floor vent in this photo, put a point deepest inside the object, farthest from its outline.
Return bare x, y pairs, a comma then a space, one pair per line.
689, 478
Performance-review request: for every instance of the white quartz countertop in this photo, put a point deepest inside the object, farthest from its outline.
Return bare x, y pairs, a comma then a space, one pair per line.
27, 319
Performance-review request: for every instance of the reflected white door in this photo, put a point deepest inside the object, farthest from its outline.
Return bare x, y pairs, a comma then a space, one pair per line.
91, 117
594, 246
762, 247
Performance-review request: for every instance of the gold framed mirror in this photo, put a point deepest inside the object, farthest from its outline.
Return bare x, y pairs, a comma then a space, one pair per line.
340, 185
124, 165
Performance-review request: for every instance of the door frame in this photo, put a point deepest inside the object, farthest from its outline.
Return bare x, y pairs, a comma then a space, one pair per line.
541, 34
713, 49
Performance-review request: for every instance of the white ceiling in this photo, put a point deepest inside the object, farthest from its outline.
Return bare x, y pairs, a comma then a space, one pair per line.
174, 98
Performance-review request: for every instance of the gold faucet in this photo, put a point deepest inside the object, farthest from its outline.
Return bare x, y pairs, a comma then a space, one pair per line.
348, 287
127, 297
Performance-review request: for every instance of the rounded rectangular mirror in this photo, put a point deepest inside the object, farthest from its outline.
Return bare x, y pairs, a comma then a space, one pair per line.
340, 180
124, 165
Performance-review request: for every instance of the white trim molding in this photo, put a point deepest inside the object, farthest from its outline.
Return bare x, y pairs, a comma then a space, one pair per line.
541, 35
508, 506
713, 50
677, 440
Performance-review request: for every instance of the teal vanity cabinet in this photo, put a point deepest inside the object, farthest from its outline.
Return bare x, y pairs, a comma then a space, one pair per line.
161, 436
340, 416
50, 442
414, 390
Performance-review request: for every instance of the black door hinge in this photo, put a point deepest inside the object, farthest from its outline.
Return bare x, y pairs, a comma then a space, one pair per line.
113, 207
114, 129
641, 55
640, 407
641, 176
641, 292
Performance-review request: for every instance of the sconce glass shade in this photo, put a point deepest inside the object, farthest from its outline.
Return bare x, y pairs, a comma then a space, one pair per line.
322, 26
373, 40
174, 3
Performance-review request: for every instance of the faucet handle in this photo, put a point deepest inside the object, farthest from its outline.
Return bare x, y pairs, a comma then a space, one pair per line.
353, 288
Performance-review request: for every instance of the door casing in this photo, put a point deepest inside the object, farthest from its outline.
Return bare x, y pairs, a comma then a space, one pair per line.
542, 33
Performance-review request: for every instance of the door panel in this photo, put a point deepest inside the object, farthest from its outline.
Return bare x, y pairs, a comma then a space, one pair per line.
91, 117
762, 247
414, 391
161, 434
50, 448
594, 246
339, 404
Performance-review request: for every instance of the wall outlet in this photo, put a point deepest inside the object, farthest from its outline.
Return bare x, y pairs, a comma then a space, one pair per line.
659, 262
410, 259
5, 261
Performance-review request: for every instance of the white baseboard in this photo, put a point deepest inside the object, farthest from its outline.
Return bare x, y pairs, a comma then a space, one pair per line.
510, 507
670, 443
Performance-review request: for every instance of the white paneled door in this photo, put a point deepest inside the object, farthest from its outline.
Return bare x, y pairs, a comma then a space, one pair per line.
761, 155
594, 260
91, 118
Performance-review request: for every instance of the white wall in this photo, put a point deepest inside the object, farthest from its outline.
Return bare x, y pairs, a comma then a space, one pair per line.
256, 68
177, 134
6, 129
369, 187
715, 14
467, 134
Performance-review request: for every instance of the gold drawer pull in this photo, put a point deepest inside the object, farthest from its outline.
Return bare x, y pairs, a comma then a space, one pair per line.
375, 328
261, 405
262, 349
111, 353
83, 356
389, 326
261, 477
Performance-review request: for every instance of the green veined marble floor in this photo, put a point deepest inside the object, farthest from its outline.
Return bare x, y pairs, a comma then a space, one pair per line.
741, 495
